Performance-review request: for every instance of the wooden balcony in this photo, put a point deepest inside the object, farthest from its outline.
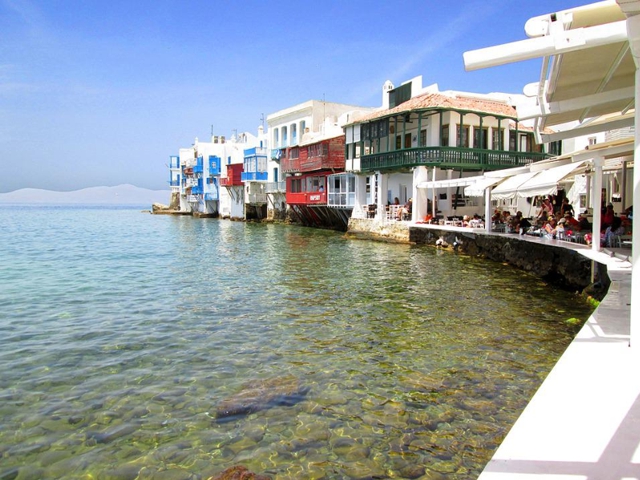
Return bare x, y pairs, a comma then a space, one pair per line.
234, 176
448, 157
324, 155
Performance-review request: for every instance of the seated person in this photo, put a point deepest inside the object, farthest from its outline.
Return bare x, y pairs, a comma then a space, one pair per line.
406, 209
607, 218
551, 228
584, 225
566, 207
614, 230
569, 222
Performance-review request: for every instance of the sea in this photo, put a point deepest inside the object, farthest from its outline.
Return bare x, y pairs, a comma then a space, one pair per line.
139, 346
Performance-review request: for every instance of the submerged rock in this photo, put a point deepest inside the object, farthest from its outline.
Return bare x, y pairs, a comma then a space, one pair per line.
262, 394
239, 473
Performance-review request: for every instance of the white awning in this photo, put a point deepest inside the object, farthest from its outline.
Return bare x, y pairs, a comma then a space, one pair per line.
509, 187
478, 188
546, 181
454, 182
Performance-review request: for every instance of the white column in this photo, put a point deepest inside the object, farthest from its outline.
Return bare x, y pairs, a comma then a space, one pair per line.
420, 195
635, 246
361, 195
433, 195
383, 181
487, 209
449, 198
633, 33
623, 187
597, 202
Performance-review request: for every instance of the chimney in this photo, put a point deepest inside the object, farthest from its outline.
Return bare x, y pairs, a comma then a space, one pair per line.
386, 88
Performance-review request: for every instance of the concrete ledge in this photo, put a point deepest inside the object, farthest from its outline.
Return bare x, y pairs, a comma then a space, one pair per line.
584, 421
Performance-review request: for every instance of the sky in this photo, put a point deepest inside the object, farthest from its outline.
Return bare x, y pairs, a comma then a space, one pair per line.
102, 92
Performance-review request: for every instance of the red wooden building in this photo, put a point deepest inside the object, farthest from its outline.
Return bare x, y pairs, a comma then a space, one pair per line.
307, 168
234, 175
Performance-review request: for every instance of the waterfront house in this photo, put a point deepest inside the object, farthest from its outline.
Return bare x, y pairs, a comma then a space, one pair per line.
232, 187
255, 177
307, 167
421, 136
201, 176
312, 129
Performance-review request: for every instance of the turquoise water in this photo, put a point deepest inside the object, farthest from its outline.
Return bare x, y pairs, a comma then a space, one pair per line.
125, 334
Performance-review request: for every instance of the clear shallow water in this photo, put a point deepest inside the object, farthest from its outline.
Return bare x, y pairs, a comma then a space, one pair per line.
123, 333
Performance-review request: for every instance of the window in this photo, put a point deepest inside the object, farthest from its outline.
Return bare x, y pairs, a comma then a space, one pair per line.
445, 136
276, 136
398, 142
463, 138
294, 138
481, 138
294, 152
284, 136
399, 95
592, 141
423, 138
317, 150
296, 185
497, 136
407, 140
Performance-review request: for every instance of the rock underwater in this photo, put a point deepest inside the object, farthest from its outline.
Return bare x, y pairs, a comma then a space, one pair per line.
239, 473
262, 394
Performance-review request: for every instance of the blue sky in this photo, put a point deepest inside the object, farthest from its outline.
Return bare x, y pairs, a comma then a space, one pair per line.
97, 92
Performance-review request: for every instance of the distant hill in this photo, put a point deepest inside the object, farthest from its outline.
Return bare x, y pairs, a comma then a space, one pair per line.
120, 195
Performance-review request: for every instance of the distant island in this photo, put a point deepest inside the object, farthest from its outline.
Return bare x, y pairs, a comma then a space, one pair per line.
119, 195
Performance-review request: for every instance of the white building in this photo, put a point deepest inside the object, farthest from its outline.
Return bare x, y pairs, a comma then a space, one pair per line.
301, 124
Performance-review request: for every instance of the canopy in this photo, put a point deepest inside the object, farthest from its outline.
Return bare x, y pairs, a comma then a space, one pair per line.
546, 181
477, 189
454, 182
509, 187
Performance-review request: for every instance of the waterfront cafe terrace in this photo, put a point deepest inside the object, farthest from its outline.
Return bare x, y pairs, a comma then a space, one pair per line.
589, 70
454, 134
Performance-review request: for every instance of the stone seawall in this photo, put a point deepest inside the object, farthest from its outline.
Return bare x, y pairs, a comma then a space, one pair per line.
553, 263
370, 229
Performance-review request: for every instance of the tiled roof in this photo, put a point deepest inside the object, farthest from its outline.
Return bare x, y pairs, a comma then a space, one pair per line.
439, 100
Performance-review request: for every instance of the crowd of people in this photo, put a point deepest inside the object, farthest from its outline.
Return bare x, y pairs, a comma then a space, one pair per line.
557, 220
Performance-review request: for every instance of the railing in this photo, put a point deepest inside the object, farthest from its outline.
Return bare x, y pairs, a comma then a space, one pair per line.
341, 200
174, 183
197, 169
196, 190
254, 176
230, 182
193, 199
449, 157
276, 187
250, 152
211, 196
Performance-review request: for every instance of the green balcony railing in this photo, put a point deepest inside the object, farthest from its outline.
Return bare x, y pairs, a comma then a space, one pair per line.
448, 157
